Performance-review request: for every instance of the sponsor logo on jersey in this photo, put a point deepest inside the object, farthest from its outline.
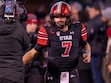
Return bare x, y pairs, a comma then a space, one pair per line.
69, 37
72, 32
50, 78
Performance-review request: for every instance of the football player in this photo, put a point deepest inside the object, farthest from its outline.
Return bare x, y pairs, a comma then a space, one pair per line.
62, 40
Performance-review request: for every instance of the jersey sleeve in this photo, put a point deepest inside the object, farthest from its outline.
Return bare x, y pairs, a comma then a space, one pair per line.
83, 40
42, 39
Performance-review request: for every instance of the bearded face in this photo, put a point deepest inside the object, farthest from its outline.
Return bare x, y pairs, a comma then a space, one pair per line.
60, 21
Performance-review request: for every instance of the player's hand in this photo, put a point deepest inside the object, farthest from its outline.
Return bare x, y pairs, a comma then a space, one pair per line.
109, 67
86, 58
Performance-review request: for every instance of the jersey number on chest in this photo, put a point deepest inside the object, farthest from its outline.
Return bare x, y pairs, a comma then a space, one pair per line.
67, 45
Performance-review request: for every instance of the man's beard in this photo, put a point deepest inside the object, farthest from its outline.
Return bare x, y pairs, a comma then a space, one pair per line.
61, 24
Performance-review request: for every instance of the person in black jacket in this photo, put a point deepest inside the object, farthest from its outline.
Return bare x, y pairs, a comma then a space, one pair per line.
13, 42
97, 38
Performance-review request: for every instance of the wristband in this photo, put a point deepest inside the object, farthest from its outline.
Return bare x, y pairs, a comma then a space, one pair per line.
88, 52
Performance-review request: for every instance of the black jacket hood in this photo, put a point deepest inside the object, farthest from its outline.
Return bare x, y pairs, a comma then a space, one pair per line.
6, 27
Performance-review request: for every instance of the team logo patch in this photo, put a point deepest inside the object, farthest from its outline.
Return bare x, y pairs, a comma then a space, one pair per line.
58, 33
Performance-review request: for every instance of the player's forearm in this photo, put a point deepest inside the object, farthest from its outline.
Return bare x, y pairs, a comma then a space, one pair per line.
28, 57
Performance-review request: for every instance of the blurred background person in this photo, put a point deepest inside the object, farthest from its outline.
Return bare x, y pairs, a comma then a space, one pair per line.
76, 10
32, 28
47, 20
106, 69
33, 69
84, 69
97, 39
